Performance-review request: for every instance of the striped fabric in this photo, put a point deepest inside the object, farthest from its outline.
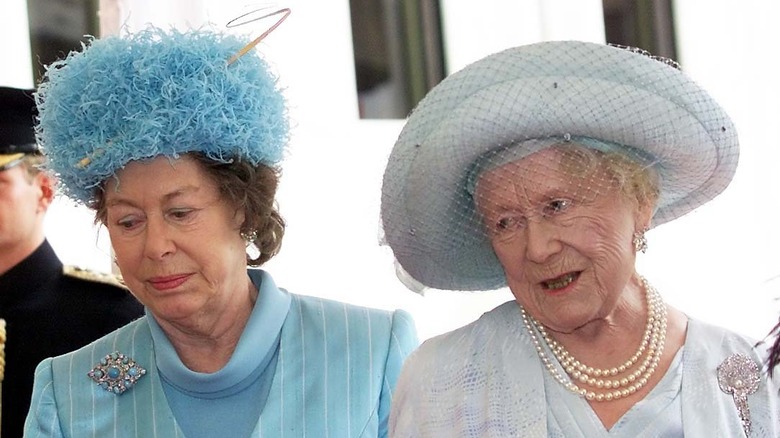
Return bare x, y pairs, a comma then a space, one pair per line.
337, 367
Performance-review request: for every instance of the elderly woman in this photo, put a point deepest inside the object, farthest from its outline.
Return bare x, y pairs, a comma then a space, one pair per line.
541, 168
177, 150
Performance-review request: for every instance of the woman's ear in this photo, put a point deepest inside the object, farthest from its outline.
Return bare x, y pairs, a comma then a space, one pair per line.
644, 215
239, 218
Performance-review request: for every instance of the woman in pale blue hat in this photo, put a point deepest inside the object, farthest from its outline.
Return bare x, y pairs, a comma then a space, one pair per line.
540, 168
175, 140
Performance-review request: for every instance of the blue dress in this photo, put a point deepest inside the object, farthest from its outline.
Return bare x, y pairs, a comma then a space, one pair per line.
486, 380
322, 369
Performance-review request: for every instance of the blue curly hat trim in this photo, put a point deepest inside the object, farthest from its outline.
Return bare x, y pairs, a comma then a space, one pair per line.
157, 93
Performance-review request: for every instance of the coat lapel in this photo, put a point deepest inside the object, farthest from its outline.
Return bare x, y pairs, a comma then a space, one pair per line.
87, 408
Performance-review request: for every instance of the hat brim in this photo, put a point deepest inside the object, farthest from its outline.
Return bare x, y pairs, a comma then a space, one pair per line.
7, 159
426, 221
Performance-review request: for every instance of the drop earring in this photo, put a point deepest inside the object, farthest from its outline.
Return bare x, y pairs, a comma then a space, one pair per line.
640, 241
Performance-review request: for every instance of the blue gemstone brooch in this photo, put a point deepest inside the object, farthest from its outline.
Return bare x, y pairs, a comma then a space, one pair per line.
116, 373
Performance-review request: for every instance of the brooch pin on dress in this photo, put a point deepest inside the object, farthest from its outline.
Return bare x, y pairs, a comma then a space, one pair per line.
116, 373
739, 376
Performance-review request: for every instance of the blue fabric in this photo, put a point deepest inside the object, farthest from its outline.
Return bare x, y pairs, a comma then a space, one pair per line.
659, 414
157, 92
205, 404
486, 380
335, 376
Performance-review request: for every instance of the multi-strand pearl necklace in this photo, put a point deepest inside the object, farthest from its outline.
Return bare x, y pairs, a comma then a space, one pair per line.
617, 382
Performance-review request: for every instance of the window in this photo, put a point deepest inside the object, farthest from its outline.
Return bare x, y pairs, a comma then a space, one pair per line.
57, 27
647, 24
398, 54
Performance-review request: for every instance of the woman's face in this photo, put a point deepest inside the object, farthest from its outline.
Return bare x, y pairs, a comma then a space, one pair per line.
177, 243
564, 240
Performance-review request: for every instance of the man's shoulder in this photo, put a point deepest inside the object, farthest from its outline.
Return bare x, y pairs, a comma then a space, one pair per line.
94, 278
86, 287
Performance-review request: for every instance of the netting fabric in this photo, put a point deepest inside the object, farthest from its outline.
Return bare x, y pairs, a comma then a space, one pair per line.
534, 136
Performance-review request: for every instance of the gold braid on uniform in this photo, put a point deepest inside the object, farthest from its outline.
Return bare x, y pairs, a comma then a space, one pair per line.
90, 275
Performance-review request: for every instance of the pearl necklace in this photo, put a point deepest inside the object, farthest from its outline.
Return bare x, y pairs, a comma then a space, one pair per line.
626, 380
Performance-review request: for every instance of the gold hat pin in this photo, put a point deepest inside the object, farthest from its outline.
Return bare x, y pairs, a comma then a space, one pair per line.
247, 18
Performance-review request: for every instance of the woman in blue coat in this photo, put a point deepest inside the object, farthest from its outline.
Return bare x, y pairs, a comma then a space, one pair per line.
177, 150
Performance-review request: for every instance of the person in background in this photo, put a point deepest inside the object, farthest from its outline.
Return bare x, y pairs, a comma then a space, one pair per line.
175, 139
49, 308
540, 168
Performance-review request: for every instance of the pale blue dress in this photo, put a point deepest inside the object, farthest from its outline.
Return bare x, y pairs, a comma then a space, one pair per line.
304, 366
486, 380
659, 414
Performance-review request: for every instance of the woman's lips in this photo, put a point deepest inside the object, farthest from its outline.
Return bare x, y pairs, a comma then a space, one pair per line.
169, 282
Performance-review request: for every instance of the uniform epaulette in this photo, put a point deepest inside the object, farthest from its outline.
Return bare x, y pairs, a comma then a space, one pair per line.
90, 275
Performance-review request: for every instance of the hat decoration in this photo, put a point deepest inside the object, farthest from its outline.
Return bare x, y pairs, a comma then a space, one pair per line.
153, 93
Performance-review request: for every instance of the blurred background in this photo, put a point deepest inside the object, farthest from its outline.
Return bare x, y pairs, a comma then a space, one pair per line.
353, 69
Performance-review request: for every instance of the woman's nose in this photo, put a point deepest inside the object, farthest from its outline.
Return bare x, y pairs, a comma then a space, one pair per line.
159, 242
542, 240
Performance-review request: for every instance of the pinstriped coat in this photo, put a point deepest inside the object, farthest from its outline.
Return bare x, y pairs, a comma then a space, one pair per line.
335, 375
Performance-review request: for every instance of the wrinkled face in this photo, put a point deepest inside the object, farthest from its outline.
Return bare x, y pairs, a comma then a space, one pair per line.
564, 238
24, 201
177, 243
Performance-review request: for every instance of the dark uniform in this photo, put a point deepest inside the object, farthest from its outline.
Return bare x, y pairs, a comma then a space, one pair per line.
49, 309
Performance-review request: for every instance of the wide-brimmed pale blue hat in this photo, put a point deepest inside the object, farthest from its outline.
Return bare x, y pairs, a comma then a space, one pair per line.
155, 93
525, 98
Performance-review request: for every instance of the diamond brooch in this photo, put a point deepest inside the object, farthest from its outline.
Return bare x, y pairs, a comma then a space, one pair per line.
739, 377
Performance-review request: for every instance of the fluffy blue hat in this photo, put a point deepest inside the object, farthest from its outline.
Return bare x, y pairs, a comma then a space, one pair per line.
154, 93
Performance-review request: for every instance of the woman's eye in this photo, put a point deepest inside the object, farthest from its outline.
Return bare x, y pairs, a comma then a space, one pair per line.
508, 223
556, 206
181, 214
127, 223
504, 223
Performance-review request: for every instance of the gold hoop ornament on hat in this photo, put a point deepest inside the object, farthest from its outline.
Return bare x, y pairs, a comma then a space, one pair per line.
256, 41
86, 161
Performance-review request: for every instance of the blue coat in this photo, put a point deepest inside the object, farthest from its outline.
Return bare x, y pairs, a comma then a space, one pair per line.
336, 371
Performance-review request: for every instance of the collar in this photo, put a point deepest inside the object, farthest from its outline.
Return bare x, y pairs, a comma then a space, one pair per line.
255, 347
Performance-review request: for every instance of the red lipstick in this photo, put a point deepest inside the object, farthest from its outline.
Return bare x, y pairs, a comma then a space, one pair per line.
169, 281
